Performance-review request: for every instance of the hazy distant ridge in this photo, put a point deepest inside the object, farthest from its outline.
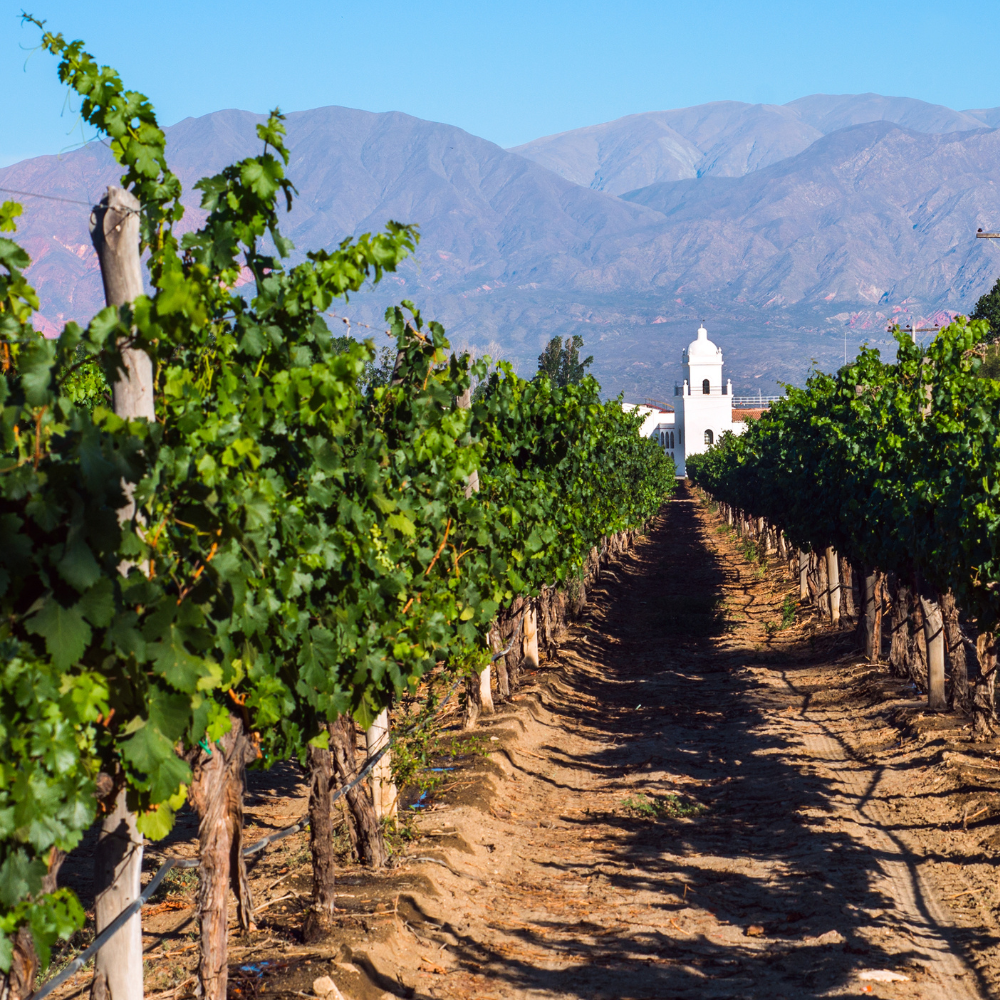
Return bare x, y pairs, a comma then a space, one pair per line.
726, 138
781, 226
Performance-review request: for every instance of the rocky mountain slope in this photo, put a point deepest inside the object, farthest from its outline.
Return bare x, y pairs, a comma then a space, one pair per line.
785, 228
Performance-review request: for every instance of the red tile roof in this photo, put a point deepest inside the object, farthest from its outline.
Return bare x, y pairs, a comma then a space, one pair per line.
741, 416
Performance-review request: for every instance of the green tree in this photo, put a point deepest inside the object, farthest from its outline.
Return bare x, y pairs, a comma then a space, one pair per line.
571, 368
550, 360
562, 364
988, 308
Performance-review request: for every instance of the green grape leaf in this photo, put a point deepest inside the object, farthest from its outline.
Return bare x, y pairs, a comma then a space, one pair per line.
65, 632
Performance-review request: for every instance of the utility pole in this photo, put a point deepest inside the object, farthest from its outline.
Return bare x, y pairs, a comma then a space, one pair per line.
914, 330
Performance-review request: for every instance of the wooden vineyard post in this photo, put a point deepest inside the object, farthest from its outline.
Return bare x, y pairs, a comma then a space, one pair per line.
114, 231
465, 403
485, 694
384, 794
803, 575
479, 700
934, 637
833, 584
478, 697
117, 867
530, 641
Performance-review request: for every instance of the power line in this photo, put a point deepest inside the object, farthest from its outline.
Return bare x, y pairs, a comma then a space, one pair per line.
48, 197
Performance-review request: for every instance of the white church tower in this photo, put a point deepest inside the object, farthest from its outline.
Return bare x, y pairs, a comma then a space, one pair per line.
705, 409
703, 406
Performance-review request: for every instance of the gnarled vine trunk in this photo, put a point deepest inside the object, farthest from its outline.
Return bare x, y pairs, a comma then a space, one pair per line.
899, 597
217, 795
319, 920
500, 663
984, 708
370, 839
848, 606
955, 648
916, 644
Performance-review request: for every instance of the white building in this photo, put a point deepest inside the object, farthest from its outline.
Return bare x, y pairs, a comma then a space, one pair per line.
703, 406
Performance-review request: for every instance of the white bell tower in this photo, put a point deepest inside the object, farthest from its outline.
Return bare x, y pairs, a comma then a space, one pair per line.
705, 411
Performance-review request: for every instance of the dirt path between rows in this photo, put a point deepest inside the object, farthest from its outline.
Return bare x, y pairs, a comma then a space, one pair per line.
688, 801
690, 811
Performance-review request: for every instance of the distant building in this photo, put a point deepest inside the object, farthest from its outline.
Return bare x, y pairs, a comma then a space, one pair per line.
703, 408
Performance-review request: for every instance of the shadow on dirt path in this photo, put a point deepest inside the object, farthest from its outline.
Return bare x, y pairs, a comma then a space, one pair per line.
680, 818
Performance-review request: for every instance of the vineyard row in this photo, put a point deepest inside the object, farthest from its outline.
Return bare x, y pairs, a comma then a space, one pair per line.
222, 545
881, 486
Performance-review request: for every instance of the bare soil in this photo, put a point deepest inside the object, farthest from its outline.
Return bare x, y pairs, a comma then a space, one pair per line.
688, 801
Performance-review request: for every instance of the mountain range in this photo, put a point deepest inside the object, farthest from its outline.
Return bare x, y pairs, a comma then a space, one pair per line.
794, 231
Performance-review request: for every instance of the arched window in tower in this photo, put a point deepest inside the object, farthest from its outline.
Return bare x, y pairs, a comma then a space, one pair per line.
671, 439
705, 387
709, 437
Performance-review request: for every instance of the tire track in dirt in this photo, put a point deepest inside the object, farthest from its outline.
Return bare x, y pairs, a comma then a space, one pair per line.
916, 905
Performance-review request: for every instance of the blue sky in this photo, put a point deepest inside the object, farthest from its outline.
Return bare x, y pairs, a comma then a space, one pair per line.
509, 71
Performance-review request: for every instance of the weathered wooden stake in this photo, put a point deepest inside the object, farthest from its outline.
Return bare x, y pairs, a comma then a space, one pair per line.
384, 794
803, 575
117, 867
530, 641
485, 694
833, 584
479, 700
934, 637
114, 231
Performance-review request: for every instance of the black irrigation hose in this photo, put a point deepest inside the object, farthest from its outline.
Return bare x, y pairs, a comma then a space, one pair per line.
170, 863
